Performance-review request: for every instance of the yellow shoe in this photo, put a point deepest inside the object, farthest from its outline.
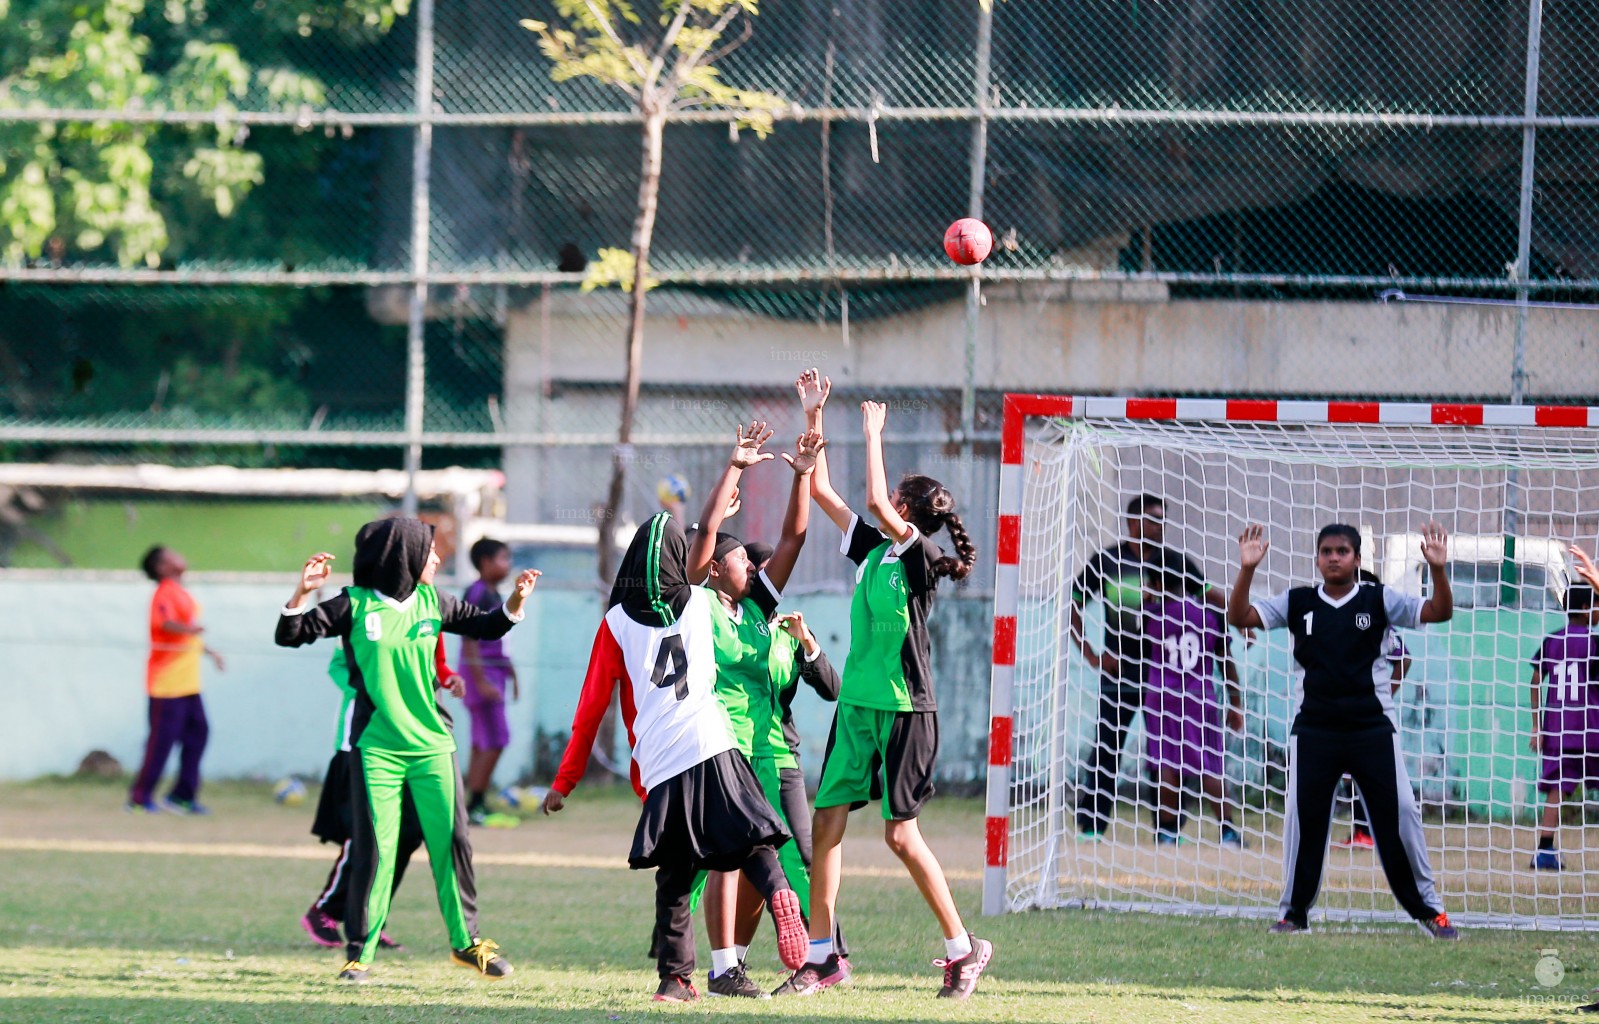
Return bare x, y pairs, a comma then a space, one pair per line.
356, 971
481, 957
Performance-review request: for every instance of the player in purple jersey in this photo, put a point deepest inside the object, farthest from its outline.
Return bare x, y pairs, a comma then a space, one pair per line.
1186, 640
1565, 729
488, 672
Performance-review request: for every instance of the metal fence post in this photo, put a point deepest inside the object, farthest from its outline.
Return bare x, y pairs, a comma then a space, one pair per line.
974, 290
421, 212
1508, 577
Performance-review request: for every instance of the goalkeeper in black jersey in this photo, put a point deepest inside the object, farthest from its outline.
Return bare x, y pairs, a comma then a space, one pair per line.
1346, 720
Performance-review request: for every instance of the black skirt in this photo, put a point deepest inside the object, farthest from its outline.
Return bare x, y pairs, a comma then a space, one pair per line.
709, 818
333, 823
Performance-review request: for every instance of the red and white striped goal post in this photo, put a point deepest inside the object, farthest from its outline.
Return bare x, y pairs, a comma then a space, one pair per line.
1021, 407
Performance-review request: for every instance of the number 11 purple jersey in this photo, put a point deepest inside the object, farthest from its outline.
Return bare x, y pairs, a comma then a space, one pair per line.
1565, 663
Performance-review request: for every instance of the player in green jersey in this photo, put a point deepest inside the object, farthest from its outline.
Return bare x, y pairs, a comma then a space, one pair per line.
886, 726
390, 621
755, 662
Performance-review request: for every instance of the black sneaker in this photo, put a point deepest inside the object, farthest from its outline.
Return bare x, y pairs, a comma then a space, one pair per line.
735, 981
676, 990
1440, 928
389, 942
1287, 927
357, 972
813, 978
960, 976
1588, 1008
481, 957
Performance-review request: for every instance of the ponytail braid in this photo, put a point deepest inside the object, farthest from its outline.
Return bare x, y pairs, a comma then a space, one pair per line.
957, 568
931, 507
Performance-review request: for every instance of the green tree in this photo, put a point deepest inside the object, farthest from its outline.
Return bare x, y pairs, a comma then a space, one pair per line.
662, 56
76, 188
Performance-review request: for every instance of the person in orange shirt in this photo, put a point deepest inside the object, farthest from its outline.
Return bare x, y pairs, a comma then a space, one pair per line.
177, 715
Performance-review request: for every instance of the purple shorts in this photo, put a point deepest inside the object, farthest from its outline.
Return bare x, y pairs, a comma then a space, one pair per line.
1567, 769
490, 728
1181, 732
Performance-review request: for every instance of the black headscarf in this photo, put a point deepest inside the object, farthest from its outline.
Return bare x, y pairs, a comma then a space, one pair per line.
726, 544
758, 551
390, 555
652, 585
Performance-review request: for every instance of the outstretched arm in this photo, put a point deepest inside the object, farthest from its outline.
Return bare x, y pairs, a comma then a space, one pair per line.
300, 624
1585, 567
1440, 607
1252, 546
456, 616
746, 453
873, 416
813, 391
797, 518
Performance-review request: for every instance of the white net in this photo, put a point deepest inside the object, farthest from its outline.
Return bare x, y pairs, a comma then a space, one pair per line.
1511, 499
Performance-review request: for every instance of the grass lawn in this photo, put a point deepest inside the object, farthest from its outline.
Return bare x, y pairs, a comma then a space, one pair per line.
97, 926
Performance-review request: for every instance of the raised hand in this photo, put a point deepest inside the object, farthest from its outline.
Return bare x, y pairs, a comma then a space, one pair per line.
1252, 545
1585, 567
733, 505
806, 448
1433, 545
525, 583
315, 573
521, 590
813, 390
873, 416
747, 448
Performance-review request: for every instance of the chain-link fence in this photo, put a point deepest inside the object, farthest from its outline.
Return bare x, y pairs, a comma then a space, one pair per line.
215, 249
1187, 197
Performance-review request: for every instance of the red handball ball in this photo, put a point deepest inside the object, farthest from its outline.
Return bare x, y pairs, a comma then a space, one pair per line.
968, 241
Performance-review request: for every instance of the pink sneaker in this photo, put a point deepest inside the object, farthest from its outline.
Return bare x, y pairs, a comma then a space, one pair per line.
793, 941
324, 931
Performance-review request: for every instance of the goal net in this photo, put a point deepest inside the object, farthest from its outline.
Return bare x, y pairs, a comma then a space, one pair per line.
1512, 485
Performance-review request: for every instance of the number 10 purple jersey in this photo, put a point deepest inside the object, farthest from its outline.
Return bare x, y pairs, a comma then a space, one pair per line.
1184, 637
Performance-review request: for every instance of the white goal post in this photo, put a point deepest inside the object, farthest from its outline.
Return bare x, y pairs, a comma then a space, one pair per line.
1513, 485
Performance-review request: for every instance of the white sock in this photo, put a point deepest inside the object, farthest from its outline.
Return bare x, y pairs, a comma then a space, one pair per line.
958, 947
743, 952
723, 960
821, 949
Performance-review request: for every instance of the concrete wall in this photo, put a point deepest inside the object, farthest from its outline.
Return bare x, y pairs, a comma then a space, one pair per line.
1072, 337
1064, 338
75, 678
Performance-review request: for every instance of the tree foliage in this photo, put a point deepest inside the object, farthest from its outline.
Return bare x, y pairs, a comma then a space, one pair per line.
665, 62
81, 187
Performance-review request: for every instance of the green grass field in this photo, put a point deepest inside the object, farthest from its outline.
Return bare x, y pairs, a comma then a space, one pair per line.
106, 917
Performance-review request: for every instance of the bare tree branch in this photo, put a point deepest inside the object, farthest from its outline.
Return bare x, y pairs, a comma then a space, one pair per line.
744, 37
610, 33
687, 62
669, 40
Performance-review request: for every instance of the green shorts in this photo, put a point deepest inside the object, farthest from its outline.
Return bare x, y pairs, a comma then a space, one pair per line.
872, 753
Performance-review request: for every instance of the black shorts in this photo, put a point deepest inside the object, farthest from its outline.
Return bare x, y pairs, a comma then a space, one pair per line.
709, 817
874, 754
333, 823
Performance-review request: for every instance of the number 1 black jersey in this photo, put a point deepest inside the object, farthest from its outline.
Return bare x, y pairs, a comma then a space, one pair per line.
1343, 667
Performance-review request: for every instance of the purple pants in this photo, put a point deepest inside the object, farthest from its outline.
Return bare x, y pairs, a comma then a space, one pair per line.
173, 721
